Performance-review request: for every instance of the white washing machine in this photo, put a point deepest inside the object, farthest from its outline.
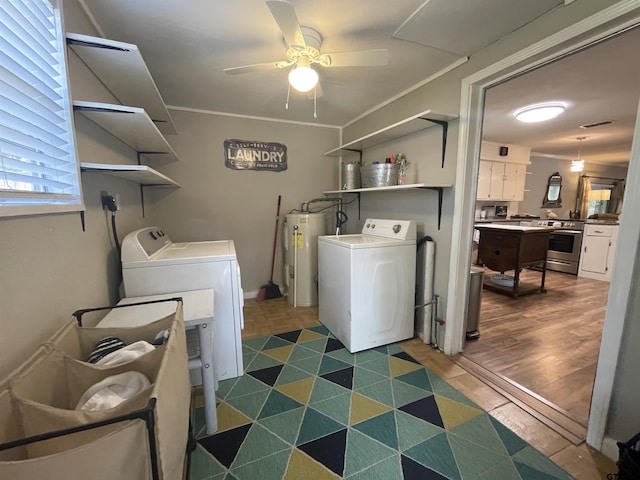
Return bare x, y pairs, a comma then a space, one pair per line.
367, 283
152, 264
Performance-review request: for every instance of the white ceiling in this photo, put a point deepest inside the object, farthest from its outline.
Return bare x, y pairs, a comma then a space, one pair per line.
187, 44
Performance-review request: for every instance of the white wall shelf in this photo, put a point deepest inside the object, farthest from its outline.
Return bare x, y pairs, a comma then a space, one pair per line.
142, 174
122, 70
413, 124
412, 186
131, 125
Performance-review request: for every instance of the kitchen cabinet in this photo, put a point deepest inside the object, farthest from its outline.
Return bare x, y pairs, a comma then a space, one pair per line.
598, 248
501, 181
408, 126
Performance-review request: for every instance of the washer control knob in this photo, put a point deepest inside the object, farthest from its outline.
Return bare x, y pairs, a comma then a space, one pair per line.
368, 225
397, 227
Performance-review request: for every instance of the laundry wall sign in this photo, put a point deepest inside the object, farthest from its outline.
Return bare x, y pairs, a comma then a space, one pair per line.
253, 155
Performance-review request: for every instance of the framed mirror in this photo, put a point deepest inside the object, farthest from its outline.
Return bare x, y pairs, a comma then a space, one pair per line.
552, 197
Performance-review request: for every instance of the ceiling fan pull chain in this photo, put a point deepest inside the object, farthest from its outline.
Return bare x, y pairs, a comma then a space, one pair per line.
286, 105
315, 98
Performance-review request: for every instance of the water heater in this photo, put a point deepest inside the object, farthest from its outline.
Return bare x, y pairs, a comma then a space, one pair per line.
300, 234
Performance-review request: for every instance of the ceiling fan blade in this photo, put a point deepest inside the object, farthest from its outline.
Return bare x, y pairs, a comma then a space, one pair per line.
286, 18
363, 58
255, 68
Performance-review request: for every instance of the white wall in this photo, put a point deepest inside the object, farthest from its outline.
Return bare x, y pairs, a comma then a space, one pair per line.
218, 203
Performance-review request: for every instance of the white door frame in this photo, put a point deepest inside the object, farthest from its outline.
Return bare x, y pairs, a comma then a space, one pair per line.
616, 18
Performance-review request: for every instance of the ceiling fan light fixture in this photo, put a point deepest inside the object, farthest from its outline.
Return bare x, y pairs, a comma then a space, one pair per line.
303, 78
539, 112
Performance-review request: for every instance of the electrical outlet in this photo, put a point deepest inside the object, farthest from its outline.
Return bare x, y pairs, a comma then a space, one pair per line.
109, 202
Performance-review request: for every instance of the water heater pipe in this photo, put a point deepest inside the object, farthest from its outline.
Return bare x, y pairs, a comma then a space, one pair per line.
295, 266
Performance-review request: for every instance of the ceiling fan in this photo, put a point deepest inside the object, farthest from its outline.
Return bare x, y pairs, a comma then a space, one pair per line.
303, 51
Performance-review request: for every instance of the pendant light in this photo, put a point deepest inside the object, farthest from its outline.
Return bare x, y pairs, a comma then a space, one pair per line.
577, 165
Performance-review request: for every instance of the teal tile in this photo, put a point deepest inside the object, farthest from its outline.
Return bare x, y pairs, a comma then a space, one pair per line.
248, 356
381, 428
254, 343
277, 403
204, 465
336, 408
528, 473
317, 345
436, 454
249, 405
380, 392
386, 470
394, 348
512, 442
403, 393
311, 364
343, 355
417, 378
258, 443
472, 458
454, 394
275, 342
481, 430
301, 352
364, 378
504, 470
291, 374
230, 477
262, 361
285, 425
324, 389
246, 385
225, 386
361, 449
412, 430
198, 421
328, 365
531, 457
368, 356
316, 425
272, 467
321, 329
379, 365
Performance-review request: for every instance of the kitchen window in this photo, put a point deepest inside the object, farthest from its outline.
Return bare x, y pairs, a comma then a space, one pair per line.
38, 166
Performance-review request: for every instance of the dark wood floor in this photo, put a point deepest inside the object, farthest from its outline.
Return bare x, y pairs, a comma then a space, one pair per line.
546, 342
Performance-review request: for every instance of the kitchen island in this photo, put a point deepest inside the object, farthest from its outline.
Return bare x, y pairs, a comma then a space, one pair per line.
503, 248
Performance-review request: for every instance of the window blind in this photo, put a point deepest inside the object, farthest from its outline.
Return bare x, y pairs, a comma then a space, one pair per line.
37, 153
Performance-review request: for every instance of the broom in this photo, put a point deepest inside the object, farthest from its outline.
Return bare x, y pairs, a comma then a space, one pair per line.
271, 290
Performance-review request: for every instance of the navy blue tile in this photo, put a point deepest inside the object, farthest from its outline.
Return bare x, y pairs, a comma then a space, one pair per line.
332, 345
225, 445
329, 450
342, 377
290, 336
267, 375
412, 470
425, 409
407, 357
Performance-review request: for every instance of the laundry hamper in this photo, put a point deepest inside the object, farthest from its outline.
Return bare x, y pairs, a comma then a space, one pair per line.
144, 437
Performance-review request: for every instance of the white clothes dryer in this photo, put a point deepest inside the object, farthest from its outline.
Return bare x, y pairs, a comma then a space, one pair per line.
367, 284
152, 264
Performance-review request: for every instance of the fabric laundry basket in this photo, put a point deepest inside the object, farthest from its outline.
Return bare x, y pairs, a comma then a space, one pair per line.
629, 459
42, 435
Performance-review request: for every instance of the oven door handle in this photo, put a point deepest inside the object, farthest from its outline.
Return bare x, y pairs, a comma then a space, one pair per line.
570, 232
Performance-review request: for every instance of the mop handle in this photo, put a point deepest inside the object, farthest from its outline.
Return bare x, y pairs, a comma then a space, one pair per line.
275, 240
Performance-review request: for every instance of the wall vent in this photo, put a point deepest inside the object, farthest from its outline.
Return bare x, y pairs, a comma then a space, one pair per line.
598, 124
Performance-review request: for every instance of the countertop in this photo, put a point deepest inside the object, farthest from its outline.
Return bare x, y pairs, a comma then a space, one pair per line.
514, 228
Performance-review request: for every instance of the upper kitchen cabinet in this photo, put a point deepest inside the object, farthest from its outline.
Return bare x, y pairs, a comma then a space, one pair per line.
122, 70
502, 172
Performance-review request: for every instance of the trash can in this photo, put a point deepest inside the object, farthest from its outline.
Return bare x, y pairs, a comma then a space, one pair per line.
475, 299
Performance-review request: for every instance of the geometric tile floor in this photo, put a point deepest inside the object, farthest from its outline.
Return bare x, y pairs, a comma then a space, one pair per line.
308, 409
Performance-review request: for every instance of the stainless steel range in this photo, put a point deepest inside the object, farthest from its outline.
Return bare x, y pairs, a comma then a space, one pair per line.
564, 244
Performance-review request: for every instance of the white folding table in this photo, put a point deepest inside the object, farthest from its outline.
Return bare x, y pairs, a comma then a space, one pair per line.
198, 314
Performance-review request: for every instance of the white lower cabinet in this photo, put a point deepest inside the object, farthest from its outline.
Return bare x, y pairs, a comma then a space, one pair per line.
598, 248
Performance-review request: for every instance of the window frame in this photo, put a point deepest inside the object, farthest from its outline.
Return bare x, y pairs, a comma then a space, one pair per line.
54, 203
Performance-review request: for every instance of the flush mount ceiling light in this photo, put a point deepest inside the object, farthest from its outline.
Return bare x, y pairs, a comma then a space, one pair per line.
578, 164
303, 78
539, 112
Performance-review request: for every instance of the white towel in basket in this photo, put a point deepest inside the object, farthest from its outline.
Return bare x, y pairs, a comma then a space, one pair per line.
112, 391
126, 354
